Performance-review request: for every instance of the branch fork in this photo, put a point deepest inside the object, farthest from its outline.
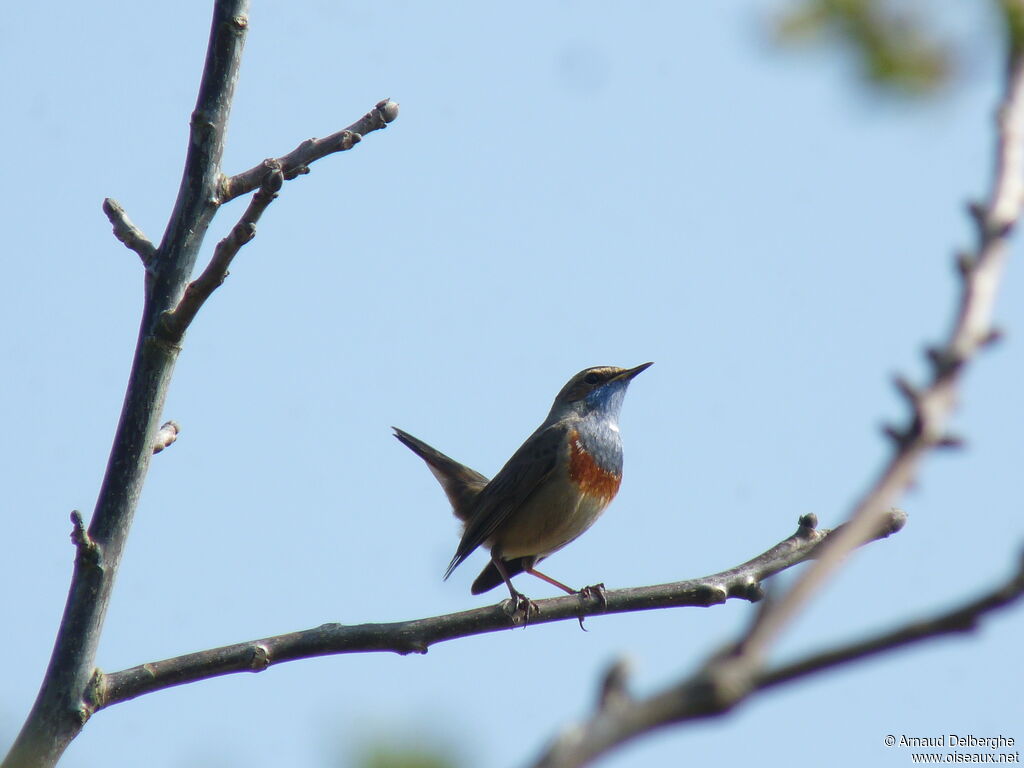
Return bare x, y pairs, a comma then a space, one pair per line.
175, 322
72, 685
267, 178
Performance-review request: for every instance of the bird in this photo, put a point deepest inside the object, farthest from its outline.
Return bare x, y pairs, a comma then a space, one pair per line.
549, 493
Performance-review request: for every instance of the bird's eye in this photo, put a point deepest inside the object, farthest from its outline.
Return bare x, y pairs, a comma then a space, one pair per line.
591, 378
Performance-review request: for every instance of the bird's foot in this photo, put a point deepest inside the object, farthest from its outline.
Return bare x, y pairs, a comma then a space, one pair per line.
595, 593
520, 608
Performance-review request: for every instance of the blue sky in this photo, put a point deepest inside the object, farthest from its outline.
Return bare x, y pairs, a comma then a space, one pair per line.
569, 184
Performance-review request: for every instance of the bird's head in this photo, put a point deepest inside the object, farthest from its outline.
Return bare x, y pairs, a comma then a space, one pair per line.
595, 389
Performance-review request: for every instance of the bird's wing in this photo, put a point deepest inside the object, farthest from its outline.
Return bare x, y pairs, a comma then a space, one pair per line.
528, 468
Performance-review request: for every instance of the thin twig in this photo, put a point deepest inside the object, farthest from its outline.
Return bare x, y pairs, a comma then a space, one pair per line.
87, 552
128, 233
742, 582
297, 162
715, 689
932, 405
959, 620
731, 677
176, 321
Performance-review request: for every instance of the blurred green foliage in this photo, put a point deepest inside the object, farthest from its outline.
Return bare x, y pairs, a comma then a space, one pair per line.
892, 40
398, 757
1013, 20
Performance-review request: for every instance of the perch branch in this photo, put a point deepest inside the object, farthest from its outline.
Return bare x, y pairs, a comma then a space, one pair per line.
297, 162
741, 582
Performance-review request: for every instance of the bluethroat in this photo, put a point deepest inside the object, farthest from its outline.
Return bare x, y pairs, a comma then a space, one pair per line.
551, 490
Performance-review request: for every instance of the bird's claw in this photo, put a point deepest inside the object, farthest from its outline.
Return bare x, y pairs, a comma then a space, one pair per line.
520, 605
594, 592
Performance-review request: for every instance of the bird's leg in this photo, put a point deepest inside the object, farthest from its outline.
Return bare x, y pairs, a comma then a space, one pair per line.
519, 600
553, 582
594, 592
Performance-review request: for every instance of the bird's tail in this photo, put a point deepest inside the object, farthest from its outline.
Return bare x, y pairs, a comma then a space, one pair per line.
489, 577
460, 483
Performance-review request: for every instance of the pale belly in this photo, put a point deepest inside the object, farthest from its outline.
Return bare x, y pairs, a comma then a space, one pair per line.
551, 518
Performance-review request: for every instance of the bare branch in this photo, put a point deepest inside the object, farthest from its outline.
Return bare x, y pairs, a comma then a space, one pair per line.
297, 162
931, 406
176, 321
614, 690
128, 233
716, 688
71, 684
269, 176
731, 677
959, 620
61, 708
742, 582
166, 436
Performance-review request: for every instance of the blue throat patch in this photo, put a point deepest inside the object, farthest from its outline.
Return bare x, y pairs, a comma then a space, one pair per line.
599, 430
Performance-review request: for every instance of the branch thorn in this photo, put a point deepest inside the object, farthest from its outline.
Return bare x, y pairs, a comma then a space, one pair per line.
943, 360
994, 336
966, 261
896, 434
911, 393
950, 441
979, 214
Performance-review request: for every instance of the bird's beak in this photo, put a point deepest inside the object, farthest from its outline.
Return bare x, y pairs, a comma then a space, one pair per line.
631, 373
